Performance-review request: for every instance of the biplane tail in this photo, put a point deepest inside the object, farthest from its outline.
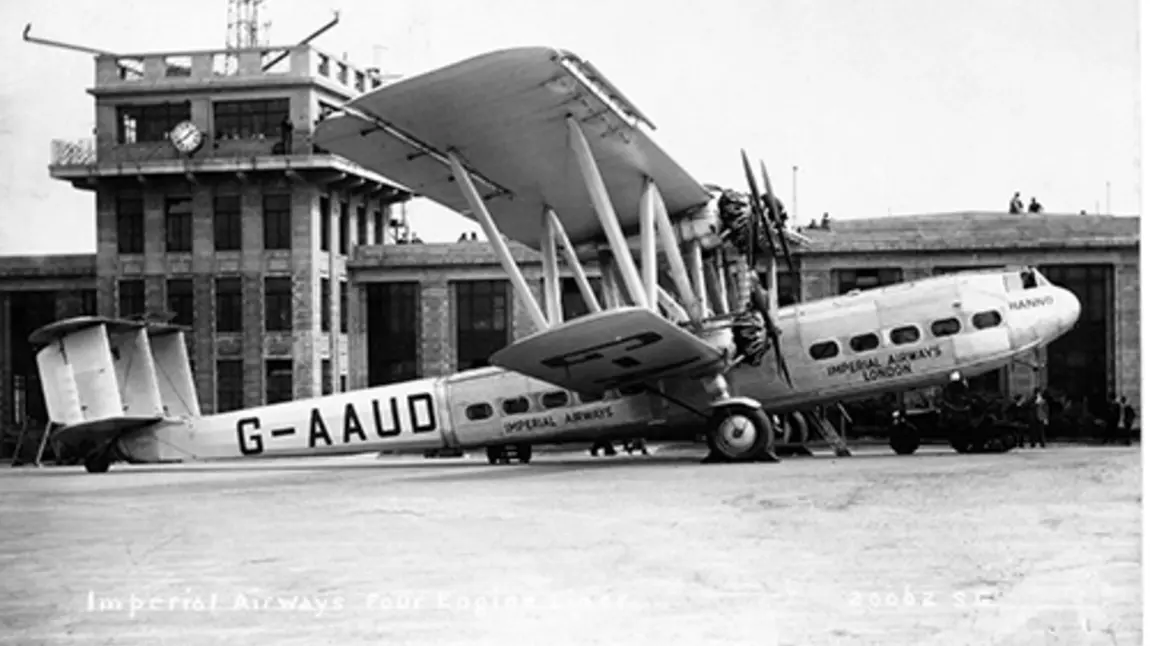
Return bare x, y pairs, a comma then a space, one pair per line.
103, 377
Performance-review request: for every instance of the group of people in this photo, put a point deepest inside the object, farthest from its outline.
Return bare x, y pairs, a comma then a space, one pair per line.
1116, 426
1016, 204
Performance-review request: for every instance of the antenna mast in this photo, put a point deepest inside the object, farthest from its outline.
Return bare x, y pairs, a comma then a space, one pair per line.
245, 30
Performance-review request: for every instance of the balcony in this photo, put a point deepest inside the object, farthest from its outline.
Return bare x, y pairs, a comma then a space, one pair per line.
83, 163
174, 71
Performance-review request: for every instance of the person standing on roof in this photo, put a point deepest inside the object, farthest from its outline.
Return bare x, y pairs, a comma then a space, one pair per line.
1016, 203
1034, 207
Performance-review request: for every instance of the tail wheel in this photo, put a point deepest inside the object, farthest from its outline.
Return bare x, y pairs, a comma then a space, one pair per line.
739, 433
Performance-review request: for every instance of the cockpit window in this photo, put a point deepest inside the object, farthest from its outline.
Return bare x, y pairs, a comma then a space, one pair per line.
1029, 279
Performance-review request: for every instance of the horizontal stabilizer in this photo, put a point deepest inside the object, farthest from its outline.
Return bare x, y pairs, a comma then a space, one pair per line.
99, 372
610, 349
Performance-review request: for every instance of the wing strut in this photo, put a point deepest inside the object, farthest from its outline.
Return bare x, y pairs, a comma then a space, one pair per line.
551, 286
573, 261
601, 200
479, 209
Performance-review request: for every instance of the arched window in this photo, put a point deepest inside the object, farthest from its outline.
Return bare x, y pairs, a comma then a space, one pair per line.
477, 412
945, 327
864, 342
824, 350
987, 319
516, 406
554, 399
904, 335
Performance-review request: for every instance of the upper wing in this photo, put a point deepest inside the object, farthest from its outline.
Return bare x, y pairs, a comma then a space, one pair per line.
504, 114
610, 349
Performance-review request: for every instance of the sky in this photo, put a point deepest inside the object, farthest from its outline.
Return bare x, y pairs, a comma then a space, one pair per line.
885, 106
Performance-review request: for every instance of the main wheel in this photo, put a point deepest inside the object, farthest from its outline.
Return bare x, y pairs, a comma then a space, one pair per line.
97, 462
523, 452
494, 453
739, 433
904, 440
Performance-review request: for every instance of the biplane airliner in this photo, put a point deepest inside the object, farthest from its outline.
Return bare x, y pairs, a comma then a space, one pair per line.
537, 146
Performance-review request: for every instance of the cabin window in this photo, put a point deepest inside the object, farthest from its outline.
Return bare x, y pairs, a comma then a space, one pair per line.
588, 398
987, 319
945, 327
516, 406
904, 335
477, 412
864, 342
824, 350
554, 399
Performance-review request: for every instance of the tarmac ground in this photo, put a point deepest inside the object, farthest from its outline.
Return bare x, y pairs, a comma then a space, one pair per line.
1028, 547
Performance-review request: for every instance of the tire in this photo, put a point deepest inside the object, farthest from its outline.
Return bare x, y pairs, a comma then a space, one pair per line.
523, 451
738, 433
97, 462
904, 441
493, 454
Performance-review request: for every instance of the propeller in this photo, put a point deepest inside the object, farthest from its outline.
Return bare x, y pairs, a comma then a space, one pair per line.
759, 297
776, 217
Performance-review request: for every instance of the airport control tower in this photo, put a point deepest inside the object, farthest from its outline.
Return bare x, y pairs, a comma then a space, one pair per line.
214, 206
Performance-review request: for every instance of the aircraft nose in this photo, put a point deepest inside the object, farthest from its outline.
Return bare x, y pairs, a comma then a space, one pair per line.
1071, 309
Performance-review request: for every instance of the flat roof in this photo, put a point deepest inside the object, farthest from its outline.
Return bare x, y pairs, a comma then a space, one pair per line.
973, 230
39, 266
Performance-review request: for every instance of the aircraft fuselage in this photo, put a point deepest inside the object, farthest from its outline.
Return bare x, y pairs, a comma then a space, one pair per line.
895, 338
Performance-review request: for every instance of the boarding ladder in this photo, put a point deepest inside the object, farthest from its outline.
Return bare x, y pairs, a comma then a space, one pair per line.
819, 421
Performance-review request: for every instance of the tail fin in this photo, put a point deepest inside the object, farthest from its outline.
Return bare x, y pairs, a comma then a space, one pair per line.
114, 374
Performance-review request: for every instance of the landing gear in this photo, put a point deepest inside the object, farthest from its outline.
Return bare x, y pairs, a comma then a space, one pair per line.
740, 433
98, 461
504, 454
905, 439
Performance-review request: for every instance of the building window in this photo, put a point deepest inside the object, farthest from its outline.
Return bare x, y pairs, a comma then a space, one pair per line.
130, 225
516, 406
229, 305
904, 335
945, 327
571, 298
324, 224
327, 385
131, 298
361, 225
392, 332
181, 300
178, 224
252, 119
864, 342
483, 321
824, 350
277, 304
227, 222
478, 412
555, 399
139, 123
377, 219
344, 226
88, 302
343, 307
277, 221
229, 385
852, 279
324, 305
279, 381
987, 319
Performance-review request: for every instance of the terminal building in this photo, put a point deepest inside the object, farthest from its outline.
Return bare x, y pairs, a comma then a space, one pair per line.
298, 275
